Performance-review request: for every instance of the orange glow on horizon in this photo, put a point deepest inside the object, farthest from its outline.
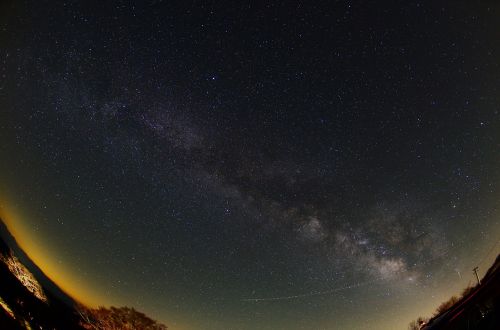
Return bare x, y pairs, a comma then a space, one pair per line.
39, 253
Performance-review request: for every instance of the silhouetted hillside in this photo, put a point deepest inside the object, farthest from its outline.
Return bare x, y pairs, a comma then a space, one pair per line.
477, 308
10, 242
30, 300
26, 302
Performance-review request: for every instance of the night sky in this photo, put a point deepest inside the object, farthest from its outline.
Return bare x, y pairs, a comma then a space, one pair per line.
281, 165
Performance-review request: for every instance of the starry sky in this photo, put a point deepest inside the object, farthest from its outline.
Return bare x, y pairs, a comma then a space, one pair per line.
273, 165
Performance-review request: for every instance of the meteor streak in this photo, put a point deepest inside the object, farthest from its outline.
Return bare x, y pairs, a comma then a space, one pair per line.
311, 294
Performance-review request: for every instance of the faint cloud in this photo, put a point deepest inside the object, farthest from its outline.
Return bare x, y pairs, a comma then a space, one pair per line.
177, 131
388, 268
313, 230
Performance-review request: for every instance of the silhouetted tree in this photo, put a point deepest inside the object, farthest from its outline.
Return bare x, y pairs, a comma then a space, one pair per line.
113, 318
467, 291
417, 324
446, 305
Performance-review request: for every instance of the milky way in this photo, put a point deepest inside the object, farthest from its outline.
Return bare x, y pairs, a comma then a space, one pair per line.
245, 166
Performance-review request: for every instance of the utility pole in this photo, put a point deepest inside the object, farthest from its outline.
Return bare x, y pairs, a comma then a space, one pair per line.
477, 277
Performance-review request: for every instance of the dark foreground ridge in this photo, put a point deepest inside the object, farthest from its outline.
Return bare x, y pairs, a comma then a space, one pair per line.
30, 300
477, 310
